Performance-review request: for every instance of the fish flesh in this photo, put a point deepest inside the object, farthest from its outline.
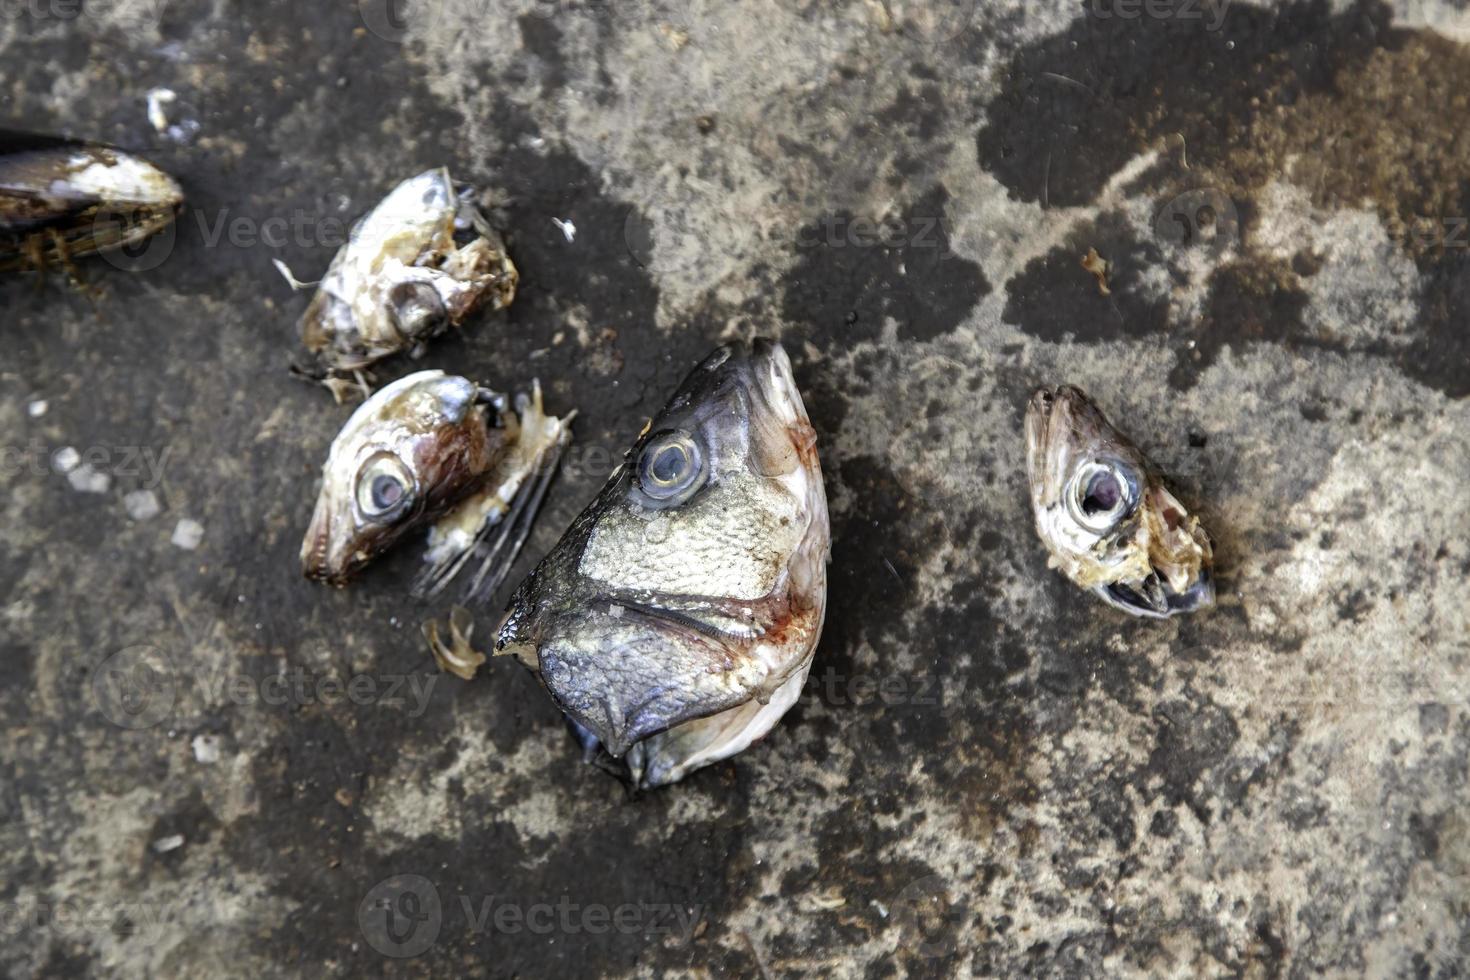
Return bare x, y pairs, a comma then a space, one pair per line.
61, 199
676, 620
438, 451
1104, 514
420, 262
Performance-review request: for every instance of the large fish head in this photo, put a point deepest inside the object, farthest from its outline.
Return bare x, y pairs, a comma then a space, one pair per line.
695, 584
1104, 514
403, 277
407, 454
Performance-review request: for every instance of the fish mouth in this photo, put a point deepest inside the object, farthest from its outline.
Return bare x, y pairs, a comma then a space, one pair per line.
1155, 598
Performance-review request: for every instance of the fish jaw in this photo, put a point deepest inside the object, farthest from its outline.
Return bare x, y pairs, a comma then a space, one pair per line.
1155, 560
642, 622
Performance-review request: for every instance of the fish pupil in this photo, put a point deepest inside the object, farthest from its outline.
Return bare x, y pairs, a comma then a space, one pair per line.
668, 464
386, 491
1103, 493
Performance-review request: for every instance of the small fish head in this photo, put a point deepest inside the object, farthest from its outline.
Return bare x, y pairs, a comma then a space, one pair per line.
1104, 514
405, 456
696, 581
402, 278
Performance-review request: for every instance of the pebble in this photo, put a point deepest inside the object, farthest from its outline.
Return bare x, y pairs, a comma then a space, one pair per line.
206, 748
188, 533
37, 408
87, 479
170, 843
65, 459
142, 505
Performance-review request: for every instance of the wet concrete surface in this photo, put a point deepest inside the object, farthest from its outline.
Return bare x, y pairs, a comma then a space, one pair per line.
990, 773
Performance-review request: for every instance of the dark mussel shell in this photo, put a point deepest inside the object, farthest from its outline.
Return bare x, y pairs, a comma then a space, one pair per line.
61, 199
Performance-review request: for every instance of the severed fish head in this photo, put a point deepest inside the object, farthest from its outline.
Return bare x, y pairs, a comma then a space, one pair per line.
405, 457
675, 621
420, 262
62, 199
1104, 514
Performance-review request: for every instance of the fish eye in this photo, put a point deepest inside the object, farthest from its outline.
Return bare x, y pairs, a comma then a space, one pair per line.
384, 488
1101, 495
416, 309
671, 469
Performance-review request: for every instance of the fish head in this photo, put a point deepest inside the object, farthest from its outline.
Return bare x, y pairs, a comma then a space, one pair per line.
420, 262
695, 583
1104, 514
408, 454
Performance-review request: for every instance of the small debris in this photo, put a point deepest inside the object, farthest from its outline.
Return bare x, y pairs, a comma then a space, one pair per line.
157, 99
567, 228
170, 843
705, 124
344, 796
457, 656
206, 748
291, 280
65, 459
88, 479
1098, 266
187, 534
37, 408
142, 505
673, 37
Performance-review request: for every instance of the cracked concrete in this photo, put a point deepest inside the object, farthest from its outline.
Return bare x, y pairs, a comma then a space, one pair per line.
989, 773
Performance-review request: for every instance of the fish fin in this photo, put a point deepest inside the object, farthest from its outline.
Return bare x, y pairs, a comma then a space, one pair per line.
498, 541
497, 556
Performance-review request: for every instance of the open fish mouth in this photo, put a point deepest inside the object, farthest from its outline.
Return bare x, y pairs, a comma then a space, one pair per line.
676, 620
1103, 511
62, 199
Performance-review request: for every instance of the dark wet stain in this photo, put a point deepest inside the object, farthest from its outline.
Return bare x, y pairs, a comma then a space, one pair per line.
542, 39
1193, 737
1252, 301
1355, 102
853, 272
1054, 298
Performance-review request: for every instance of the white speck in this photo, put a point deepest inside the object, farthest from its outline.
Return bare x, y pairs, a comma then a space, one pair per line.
170, 843
615, 611
65, 459
142, 505
206, 748
567, 228
393, 621
188, 533
240, 599
87, 479
37, 408
157, 99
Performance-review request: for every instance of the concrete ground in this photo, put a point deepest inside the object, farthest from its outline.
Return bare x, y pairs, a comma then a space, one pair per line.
990, 772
